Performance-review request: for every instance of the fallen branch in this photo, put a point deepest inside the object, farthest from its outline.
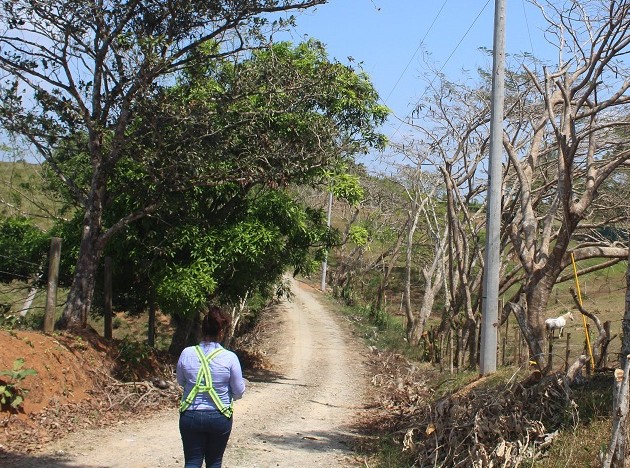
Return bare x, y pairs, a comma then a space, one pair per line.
146, 385
579, 363
147, 393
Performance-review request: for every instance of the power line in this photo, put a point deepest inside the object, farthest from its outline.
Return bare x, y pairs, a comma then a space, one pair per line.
15, 275
430, 85
415, 52
529, 35
20, 260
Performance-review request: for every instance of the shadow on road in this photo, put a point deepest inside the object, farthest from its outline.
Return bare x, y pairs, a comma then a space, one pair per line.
315, 441
36, 461
263, 376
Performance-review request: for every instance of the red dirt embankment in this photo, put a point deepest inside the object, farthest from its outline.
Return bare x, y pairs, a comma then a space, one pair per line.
66, 366
74, 387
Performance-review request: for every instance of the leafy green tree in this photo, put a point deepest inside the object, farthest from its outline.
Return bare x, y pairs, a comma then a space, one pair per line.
221, 222
232, 239
89, 68
23, 249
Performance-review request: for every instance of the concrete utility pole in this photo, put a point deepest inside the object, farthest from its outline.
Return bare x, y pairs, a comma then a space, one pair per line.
490, 298
325, 262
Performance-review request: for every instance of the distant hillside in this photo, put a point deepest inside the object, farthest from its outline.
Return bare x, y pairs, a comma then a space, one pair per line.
22, 193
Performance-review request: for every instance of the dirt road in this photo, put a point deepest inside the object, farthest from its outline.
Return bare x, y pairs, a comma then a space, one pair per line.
300, 415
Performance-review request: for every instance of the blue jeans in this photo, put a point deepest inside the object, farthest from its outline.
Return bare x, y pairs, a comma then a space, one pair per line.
204, 435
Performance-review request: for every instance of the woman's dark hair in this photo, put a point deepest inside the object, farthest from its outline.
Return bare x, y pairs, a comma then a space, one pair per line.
214, 322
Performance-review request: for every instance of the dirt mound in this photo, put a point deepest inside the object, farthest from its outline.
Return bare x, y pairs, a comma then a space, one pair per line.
65, 364
74, 386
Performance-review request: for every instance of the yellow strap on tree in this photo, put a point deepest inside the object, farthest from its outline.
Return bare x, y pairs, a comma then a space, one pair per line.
579, 294
203, 383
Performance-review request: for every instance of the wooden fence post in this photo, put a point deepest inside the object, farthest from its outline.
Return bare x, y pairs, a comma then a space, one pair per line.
506, 335
451, 347
151, 322
567, 353
517, 347
53, 280
107, 332
589, 363
605, 344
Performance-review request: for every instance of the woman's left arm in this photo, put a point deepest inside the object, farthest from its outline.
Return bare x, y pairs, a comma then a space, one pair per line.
179, 370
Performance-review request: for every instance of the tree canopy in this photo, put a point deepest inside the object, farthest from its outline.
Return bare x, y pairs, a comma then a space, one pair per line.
105, 77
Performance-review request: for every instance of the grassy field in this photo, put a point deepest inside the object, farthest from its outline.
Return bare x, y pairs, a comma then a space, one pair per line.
603, 294
21, 193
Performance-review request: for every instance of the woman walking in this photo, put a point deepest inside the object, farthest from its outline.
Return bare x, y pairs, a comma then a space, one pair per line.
212, 379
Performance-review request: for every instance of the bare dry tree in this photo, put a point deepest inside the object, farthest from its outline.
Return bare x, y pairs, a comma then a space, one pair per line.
453, 124
564, 141
565, 135
421, 188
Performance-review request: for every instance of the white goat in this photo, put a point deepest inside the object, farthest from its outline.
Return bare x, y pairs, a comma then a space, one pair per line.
559, 322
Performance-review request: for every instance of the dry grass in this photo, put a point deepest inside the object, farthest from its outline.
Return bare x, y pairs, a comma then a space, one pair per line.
581, 444
21, 193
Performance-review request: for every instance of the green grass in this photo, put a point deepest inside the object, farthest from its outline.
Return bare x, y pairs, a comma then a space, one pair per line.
386, 333
135, 328
581, 444
390, 455
14, 294
21, 194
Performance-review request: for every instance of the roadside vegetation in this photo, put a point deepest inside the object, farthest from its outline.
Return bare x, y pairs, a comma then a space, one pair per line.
416, 401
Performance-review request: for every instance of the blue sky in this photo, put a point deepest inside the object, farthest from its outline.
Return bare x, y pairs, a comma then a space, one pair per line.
385, 36
389, 38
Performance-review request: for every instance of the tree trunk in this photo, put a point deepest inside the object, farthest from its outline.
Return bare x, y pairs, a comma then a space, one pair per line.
108, 293
81, 294
433, 283
535, 346
412, 322
537, 296
625, 323
389, 266
473, 340
187, 332
616, 454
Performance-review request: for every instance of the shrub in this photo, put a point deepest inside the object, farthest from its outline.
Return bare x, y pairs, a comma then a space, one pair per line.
12, 393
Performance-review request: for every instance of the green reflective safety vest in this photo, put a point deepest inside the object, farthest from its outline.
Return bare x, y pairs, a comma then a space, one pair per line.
204, 384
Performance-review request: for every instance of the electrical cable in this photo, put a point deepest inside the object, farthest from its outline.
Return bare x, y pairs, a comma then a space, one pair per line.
415, 52
403, 121
529, 35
